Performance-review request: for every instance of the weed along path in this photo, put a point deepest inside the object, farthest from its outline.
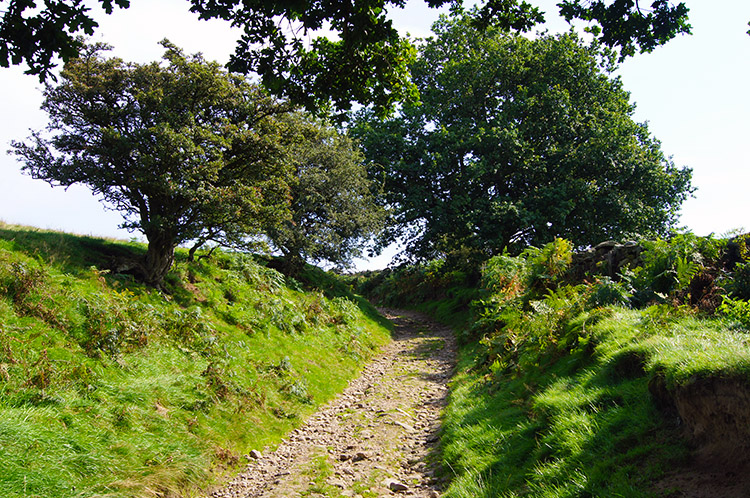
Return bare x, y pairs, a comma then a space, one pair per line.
377, 437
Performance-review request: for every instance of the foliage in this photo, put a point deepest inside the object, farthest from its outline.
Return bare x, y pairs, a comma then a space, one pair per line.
535, 270
410, 285
607, 292
670, 265
333, 205
183, 150
517, 142
366, 63
739, 285
36, 36
552, 398
549, 264
626, 25
505, 275
112, 388
736, 309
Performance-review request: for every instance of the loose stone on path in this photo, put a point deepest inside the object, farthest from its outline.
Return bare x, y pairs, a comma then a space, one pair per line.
375, 436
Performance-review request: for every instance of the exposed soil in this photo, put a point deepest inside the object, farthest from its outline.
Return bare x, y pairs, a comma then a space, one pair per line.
709, 474
715, 416
375, 439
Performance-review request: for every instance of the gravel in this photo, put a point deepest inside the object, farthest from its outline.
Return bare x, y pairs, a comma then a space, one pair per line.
377, 437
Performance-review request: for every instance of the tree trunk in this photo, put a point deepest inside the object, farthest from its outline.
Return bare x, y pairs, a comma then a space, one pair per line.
158, 260
191, 252
292, 265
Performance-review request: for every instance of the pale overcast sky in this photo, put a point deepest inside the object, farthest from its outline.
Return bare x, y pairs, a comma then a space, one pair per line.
693, 92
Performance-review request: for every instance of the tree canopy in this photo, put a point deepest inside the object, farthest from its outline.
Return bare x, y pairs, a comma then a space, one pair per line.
36, 36
368, 63
334, 210
518, 141
184, 150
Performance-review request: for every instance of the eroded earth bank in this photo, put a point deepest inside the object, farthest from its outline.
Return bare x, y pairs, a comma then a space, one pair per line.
375, 439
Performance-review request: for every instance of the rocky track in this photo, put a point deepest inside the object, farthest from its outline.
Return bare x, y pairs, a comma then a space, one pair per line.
375, 439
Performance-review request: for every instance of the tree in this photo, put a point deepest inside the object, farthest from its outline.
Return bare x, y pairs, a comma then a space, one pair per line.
369, 61
185, 151
35, 36
333, 203
625, 25
517, 142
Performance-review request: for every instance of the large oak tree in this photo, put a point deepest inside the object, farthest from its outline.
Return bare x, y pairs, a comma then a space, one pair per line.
184, 150
518, 141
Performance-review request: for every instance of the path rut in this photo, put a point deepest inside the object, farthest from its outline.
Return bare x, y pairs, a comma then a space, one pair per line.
377, 437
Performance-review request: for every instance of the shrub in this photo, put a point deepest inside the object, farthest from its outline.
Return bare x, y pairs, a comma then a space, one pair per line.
607, 292
21, 279
113, 321
737, 310
505, 275
670, 266
738, 286
342, 310
549, 264
191, 329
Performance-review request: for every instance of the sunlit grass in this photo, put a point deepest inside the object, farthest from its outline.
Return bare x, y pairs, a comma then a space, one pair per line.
573, 427
108, 388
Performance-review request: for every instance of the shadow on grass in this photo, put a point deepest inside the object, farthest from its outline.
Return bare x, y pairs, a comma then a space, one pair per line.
557, 431
72, 253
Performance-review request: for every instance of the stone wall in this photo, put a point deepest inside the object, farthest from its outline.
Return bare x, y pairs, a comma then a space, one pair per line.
607, 258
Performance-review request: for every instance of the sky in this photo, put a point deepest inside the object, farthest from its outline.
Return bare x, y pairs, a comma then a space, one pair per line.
694, 93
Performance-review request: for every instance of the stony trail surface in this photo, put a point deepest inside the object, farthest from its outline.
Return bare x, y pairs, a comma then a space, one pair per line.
377, 437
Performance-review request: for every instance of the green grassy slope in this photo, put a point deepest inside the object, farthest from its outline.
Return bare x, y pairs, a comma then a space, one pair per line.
567, 388
576, 417
108, 388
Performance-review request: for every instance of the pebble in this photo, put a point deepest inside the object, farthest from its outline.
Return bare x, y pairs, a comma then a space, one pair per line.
339, 483
359, 427
396, 486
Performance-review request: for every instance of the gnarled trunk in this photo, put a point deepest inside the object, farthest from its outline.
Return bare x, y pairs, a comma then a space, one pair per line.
159, 258
292, 265
191, 253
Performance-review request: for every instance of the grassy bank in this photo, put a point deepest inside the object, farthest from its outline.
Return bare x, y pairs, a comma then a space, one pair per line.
108, 388
579, 419
565, 387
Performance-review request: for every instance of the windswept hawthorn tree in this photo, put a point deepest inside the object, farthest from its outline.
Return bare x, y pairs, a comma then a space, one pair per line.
184, 150
334, 205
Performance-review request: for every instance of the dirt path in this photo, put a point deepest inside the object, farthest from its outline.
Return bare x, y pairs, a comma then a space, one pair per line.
375, 439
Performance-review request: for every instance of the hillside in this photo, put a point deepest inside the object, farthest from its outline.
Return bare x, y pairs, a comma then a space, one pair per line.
109, 388
619, 371
572, 382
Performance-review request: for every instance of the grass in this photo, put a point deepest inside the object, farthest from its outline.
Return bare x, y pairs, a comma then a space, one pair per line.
319, 471
111, 389
561, 391
579, 421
